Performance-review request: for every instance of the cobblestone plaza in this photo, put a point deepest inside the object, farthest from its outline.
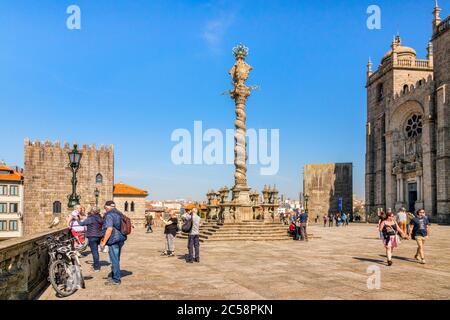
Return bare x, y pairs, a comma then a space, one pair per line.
331, 266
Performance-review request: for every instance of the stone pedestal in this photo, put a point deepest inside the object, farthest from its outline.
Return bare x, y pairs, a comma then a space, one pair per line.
242, 203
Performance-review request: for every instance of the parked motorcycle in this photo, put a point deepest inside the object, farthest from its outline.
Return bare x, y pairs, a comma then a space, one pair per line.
65, 274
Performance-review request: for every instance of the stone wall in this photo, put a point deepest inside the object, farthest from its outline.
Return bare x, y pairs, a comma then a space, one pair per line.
47, 178
441, 46
24, 266
325, 184
410, 86
138, 216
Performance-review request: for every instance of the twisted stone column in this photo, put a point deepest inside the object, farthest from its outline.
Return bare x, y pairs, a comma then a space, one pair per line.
239, 94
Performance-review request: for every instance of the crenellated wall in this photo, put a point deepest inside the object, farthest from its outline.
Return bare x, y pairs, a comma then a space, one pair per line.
47, 178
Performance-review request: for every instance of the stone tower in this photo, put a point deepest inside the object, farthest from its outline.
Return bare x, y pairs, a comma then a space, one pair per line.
441, 117
47, 181
407, 136
326, 186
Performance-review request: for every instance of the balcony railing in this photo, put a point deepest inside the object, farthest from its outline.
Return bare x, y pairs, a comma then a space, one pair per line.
24, 266
421, 64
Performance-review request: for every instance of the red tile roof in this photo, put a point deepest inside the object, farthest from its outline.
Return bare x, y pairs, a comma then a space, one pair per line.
124, 189
11, 176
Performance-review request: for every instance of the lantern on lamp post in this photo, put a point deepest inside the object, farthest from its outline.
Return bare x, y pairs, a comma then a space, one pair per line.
74, 164
97, 194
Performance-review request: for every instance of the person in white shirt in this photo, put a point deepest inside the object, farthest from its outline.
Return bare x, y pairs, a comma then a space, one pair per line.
402, 219
74, 227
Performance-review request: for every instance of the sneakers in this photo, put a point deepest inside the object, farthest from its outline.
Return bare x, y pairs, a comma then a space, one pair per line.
422, 261
111, 283
197, 260
171, 254
389, 263
417, 257
189, 261
164, 253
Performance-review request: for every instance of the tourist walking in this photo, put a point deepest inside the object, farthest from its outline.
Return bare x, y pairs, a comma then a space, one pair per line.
194, 236
325, 218
330, 220
402, 219
381, 218
114, 239
94, 234
420, 231
390, 229
149, 222
170, 232
344, 219
303, 224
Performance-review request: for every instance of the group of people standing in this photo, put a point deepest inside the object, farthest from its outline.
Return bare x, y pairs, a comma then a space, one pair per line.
171, 228
391, 227
102, 231
338, 219
298, 225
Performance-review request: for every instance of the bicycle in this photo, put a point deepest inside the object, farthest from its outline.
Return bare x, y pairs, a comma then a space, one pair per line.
65, 273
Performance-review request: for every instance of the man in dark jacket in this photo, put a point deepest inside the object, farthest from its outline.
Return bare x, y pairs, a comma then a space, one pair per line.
94, 233
114, 239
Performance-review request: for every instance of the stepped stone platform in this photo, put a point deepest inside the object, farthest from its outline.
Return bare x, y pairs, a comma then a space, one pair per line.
254, 230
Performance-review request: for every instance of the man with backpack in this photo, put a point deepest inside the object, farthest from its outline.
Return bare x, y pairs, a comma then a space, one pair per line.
116, 226
194, 239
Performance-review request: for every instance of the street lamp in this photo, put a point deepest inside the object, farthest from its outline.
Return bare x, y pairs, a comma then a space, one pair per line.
74, 164
306, 202
97, 194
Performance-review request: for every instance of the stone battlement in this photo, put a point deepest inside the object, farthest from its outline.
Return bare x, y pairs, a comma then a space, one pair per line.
48, 180
67, 146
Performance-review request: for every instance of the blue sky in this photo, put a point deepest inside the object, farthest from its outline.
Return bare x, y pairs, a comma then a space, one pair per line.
137, 70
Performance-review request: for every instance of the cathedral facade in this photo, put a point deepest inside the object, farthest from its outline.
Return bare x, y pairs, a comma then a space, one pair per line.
408, 128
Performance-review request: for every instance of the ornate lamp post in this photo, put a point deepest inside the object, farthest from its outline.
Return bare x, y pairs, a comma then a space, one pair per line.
97, 194
306, 197
74, 164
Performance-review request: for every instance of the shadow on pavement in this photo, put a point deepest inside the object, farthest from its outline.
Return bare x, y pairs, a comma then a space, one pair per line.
370, 260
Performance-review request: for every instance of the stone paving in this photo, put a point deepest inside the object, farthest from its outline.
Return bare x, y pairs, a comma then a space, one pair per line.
333, 266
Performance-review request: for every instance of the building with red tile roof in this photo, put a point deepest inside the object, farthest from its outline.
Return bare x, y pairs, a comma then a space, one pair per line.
11, 202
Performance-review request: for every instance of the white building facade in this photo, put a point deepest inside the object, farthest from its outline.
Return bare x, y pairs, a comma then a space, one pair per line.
11, 202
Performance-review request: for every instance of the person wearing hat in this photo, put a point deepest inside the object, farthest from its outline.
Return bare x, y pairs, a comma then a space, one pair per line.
114, 239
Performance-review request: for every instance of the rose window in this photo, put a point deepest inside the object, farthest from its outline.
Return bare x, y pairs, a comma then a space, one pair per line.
414, 126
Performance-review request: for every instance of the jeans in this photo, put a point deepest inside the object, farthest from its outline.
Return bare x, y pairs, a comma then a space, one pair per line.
149, 228
297, 233
114, 257
193, 242
170, 246
303, 231
94, 242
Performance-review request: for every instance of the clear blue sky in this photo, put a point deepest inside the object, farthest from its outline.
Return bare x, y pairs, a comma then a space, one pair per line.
139, 69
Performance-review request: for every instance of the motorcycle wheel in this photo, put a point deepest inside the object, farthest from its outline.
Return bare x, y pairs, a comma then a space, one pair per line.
58, 278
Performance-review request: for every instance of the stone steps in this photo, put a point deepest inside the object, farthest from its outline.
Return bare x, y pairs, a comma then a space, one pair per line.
242, 231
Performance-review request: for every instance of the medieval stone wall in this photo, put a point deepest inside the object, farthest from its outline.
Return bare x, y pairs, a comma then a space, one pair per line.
325, 184
47, 179
441, 45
